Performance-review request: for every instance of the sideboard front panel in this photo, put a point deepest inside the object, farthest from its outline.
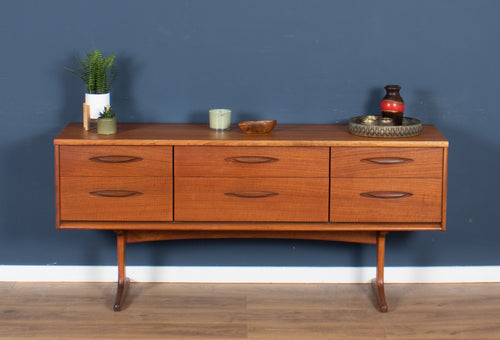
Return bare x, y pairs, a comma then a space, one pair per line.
311, 173
114, 161
393, 162
116, 198
251, 199
115, 183
251, 184
210, 161
386, 200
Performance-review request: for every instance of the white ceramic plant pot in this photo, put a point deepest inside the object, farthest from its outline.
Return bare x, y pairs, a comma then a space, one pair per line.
97, 103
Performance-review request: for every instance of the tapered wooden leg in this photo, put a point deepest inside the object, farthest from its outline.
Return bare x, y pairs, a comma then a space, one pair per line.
378, 282
123, 281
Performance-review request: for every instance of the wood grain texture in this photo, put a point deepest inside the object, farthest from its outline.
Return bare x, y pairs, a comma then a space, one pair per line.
257, 126
206, 161
207, 199
93, 160
349, 205
78, 203
57, 179
368, 237
200, 151
200, 134
123, 181
224, 229
249, 311
444, 200
387, 162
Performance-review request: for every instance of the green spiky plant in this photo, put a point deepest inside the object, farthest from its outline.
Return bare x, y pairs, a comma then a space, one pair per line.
108, 113
97, 72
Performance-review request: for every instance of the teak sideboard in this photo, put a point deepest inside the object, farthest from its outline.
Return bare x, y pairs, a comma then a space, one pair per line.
153, 182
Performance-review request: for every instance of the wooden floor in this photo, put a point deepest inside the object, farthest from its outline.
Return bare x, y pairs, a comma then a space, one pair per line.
249, 311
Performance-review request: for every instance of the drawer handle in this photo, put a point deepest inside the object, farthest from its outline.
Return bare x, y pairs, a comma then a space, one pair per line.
386, 161
115, 193
251, 159
251, 194
115, 159
386, 194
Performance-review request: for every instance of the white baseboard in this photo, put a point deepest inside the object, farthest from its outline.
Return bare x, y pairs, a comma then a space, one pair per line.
250, 274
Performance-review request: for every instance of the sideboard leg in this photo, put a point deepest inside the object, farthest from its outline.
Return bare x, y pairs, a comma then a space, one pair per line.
378, 282
123, 281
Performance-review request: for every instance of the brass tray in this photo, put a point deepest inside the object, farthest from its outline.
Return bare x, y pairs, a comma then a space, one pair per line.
370, 126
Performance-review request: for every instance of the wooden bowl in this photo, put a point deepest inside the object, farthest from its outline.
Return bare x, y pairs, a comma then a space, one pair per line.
257, 126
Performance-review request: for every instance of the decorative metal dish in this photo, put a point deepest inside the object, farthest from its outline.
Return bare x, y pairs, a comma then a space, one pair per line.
376, 126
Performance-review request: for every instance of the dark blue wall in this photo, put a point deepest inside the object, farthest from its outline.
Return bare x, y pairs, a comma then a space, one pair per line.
297, 61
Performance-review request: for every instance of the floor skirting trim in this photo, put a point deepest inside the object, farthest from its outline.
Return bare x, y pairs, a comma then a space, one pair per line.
55, 273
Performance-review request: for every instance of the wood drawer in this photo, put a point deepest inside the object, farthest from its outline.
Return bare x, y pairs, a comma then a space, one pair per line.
116, 161
251, 199
215, 161
387, 162
362, 200
116, 198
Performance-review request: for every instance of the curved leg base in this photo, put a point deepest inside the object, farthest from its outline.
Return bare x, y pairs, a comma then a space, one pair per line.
120, 294
378, 288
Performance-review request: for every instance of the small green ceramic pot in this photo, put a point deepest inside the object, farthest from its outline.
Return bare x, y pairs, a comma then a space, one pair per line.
106, 126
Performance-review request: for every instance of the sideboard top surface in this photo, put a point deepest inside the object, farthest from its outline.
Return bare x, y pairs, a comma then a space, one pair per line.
200, 134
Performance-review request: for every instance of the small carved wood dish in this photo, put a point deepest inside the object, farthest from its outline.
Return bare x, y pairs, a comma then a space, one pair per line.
371, 126
257, 126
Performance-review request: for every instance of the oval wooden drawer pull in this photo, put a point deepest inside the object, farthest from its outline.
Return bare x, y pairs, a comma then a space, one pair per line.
386, 194
251, 194
115, 193
251, 159
387, 160
115, 159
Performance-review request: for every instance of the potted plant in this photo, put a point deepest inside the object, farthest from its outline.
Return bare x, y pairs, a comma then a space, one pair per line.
98, 73
106, 123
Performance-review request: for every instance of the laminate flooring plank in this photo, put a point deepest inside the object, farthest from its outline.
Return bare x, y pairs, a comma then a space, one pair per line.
249, 311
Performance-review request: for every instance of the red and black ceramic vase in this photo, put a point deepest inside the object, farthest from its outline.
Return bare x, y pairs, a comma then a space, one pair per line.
393, 105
